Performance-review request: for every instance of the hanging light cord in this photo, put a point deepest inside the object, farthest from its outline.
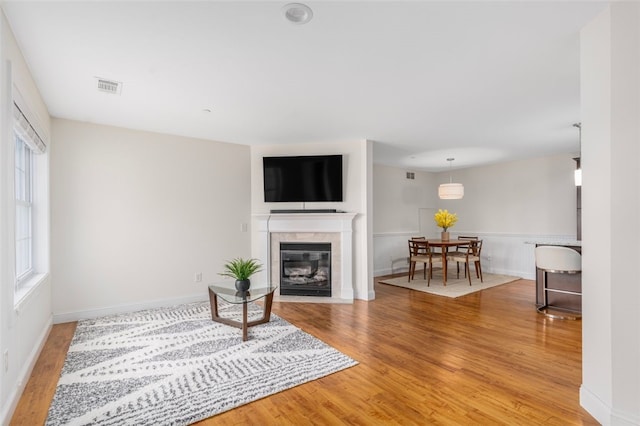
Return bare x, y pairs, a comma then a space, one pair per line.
579, 126
450, 160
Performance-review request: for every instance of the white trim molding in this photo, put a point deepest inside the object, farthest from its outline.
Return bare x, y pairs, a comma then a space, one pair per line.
336, 228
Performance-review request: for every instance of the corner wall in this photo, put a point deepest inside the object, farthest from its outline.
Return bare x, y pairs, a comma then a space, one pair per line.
23, 328
610, 102
135, 215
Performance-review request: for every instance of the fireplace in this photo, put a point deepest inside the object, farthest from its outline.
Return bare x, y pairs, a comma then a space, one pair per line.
335, 229
305, 269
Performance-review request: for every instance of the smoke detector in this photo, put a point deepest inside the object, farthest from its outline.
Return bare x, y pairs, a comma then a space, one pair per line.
297, 13
109, 86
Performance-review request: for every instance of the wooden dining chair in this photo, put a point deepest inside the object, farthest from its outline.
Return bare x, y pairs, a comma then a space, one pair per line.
461, 250
415, 255
412, 264
467, 237
469, 255
420, 252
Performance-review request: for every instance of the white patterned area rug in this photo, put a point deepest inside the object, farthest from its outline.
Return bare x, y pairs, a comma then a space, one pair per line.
455, 287
174, 366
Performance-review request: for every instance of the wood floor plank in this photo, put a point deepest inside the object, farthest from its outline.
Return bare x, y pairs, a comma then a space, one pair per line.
34, 404
486, 358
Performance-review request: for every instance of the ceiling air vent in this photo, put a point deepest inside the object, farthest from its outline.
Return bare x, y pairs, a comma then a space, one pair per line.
109, 86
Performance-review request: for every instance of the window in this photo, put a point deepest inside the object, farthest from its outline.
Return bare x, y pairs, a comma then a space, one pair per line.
24, 210
31, 201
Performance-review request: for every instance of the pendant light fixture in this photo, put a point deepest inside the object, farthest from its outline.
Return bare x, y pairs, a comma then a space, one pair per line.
450, 191
577, 174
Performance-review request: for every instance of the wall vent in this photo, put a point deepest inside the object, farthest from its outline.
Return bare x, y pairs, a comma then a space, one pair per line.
109, 86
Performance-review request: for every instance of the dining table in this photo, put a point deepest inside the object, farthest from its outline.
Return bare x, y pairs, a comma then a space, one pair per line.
444, 247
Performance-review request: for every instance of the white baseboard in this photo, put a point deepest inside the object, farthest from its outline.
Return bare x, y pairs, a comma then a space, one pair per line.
595, 406
521, 274
11, 402
390, 271
603, 413
120, 309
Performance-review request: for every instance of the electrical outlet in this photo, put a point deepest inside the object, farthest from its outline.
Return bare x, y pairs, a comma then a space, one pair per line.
6, 360
243, 227
197, 277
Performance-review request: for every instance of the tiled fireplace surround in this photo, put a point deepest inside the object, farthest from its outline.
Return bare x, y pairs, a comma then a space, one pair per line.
334, 228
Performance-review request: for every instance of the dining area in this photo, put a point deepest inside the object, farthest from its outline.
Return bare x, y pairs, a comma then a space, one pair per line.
448, 268
463, 250
451, 264
437, 253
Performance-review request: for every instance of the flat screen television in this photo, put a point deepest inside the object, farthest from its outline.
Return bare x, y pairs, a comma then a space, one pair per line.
310, 178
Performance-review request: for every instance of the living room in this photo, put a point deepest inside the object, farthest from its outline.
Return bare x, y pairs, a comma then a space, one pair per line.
134, 214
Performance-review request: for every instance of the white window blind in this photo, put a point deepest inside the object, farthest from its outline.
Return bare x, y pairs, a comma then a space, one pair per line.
26, 132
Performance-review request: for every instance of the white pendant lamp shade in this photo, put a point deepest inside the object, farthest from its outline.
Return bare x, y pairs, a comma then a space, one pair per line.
450, 191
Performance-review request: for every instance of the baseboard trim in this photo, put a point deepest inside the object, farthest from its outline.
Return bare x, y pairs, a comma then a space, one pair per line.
595, 406
521, 274
603, 413
16, 391
120, 309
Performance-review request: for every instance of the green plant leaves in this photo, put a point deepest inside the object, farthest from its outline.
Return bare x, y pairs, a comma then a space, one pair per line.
241, 269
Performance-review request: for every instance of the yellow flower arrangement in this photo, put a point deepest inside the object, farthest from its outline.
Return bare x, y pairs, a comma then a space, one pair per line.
445, 220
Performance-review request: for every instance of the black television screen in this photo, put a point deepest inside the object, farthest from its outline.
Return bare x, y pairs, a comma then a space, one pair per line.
304, 178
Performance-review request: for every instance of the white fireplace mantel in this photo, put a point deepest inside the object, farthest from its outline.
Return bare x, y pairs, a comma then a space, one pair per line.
338, 225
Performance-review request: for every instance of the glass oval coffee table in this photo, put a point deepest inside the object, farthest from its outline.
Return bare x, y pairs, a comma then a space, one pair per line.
227, 292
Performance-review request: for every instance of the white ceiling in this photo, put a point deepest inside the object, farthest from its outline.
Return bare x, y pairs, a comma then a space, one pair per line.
479, 81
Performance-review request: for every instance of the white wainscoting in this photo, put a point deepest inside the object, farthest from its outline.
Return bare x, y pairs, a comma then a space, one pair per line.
509, 254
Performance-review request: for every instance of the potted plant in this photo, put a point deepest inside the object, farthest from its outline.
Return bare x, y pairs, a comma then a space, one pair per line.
241, 269
445, 220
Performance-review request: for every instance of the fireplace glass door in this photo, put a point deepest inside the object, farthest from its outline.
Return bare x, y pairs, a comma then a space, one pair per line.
305, 269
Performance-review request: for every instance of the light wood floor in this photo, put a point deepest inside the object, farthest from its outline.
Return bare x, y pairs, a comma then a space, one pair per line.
483, 359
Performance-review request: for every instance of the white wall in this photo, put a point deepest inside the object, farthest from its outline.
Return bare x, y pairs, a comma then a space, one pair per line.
535, 196
610, 93
356, 160
135, 215
23, 328
403, 208
397, 200
505, 204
